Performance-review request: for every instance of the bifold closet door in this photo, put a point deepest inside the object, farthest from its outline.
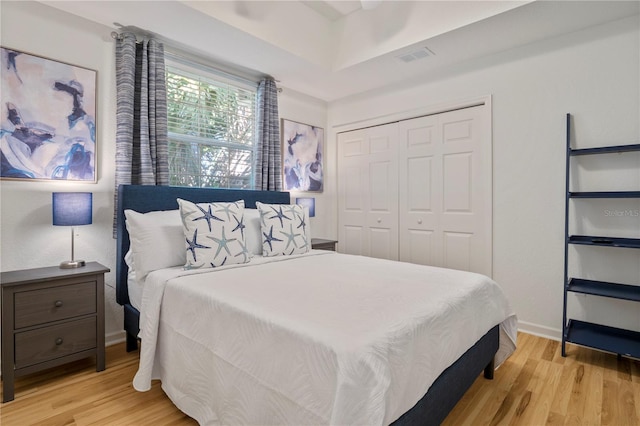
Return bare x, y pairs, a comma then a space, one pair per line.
445, 190
368, 192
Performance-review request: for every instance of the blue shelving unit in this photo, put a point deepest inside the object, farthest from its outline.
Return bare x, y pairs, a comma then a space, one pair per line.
597, 336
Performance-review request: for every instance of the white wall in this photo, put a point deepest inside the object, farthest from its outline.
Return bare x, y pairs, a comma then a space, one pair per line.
27, 237
593, 74
298, 107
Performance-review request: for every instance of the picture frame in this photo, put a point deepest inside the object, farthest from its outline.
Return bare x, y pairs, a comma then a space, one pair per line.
48, 123
302, 156
309, 203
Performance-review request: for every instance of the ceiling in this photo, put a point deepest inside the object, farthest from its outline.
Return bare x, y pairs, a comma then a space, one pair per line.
333, 10
336, 49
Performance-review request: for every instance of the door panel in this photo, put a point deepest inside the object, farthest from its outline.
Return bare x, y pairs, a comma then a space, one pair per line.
352, 239
456, 182
367, 192
421, 244
420, 191
459, 153
457, 250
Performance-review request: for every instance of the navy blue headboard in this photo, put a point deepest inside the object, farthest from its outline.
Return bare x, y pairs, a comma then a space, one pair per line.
146, 198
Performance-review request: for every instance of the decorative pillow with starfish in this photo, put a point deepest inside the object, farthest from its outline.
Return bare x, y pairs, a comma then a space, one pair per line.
214, 234
285, 229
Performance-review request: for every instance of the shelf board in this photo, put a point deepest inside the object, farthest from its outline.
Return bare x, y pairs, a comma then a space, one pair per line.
605, 241
605, 338
604, 289
605, 194
606, 149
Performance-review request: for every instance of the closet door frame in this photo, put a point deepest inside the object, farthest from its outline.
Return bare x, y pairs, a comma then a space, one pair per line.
487, 120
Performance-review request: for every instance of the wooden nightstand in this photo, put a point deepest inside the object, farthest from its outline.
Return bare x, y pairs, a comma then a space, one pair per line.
50, 316
322, 244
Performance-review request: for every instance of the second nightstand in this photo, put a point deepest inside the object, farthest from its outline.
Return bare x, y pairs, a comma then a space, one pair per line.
50, 316
322, 244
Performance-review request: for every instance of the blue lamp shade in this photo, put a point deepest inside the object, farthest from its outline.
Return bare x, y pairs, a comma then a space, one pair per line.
308, 202
72, 208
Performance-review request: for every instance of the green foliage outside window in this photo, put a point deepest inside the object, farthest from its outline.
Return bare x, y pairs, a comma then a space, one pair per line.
211, 132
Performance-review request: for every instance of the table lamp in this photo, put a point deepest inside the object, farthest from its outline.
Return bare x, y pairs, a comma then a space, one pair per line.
72, 209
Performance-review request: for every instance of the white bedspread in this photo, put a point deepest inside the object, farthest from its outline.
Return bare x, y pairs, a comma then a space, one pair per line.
321, 338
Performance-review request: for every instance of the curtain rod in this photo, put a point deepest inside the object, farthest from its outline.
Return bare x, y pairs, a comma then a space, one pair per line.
180, 55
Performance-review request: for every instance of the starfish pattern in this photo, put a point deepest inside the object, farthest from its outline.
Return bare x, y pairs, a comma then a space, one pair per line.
223, 243
193, 245
208, 216
240, 225
291, 237
269, 238
222, 264
292, 209
302, 224
280, 215
244, 252
226, 208
263, 214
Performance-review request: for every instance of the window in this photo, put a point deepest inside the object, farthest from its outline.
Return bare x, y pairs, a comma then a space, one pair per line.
211, 129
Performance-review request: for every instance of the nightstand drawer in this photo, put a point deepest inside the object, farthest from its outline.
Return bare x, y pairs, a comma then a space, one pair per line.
54, 303
322, 244
47, 343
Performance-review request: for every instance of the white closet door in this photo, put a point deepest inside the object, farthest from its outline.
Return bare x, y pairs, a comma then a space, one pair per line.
368, 192
420, 182
445, 192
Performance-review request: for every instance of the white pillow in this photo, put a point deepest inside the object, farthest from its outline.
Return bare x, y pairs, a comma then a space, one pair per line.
133, 287
131, 267
252, 232
285, 229
157, 240
213, 234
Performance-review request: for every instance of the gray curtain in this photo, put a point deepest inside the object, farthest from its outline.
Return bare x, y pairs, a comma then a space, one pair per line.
141, 116
268, 153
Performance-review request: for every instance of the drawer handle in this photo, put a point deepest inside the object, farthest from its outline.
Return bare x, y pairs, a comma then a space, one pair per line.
59, 341
58, 303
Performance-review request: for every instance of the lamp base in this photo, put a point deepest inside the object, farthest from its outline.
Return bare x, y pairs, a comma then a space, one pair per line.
69, 264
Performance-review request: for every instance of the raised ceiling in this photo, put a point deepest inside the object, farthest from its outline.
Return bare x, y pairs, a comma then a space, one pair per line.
333, 49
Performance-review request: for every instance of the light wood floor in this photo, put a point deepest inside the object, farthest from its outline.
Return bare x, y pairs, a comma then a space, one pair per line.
535, 386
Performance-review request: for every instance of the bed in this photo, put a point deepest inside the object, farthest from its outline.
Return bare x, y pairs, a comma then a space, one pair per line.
263, 349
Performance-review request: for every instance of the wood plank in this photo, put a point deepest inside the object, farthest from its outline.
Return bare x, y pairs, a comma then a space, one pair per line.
517, 400
609, 403
546, 377
627, 403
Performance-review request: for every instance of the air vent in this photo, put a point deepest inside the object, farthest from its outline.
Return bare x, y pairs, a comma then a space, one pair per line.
415, 55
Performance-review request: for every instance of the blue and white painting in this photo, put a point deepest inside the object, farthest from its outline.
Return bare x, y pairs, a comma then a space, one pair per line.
48, 128
302, 156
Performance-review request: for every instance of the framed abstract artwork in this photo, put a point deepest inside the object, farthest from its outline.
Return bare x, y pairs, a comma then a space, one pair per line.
302, 156
48, 124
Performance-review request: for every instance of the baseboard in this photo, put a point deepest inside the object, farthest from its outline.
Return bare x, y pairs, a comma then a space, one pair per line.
540, 330
111, 339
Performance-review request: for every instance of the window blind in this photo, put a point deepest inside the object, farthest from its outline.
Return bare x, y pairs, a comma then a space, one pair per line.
211, 129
